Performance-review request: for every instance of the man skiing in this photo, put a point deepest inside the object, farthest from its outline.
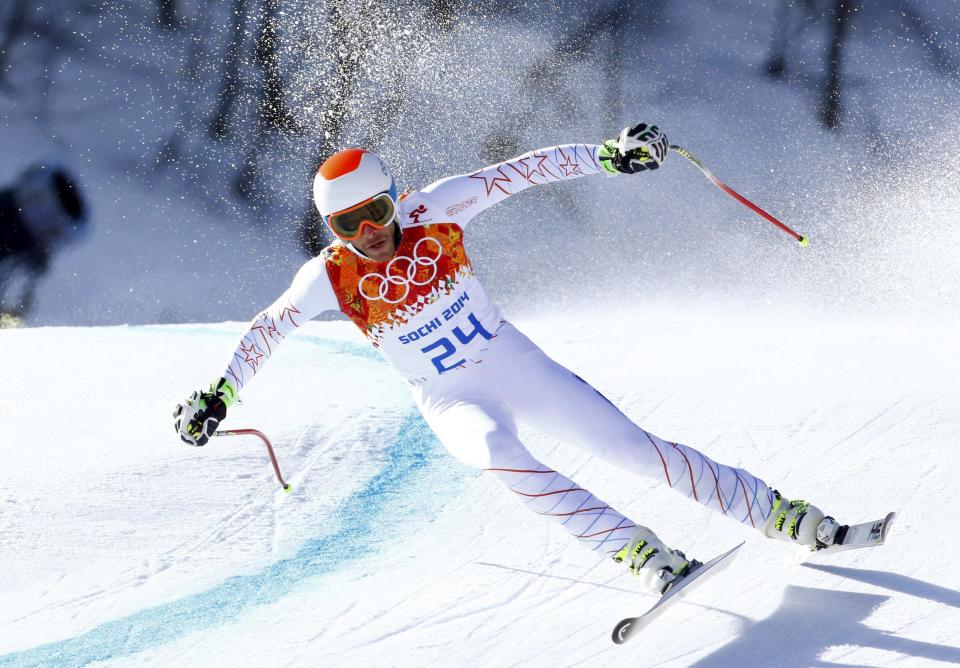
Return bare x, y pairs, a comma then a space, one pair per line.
399, 271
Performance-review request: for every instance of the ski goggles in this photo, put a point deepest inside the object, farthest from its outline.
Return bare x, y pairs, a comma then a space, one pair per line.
377, 211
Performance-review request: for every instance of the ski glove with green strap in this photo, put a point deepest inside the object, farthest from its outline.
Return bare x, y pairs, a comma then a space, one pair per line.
637, 149
196, 419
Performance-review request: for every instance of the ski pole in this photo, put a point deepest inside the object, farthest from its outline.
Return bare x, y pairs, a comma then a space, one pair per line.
737, 196
266, 441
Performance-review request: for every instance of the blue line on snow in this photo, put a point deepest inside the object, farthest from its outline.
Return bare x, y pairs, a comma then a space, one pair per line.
414, 458
415, 462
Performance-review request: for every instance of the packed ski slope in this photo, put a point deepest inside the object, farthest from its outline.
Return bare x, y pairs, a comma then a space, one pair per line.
119, 545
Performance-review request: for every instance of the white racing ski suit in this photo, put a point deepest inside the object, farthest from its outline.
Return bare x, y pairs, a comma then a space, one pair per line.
474, 375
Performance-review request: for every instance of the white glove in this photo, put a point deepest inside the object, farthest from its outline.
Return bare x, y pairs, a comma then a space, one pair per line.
637, 149
196, 419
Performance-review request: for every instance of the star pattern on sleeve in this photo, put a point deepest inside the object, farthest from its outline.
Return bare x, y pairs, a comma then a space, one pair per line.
273, 332
288, 312
266, 327
493, 181
543, 166
530, 173
569, 166
251, 355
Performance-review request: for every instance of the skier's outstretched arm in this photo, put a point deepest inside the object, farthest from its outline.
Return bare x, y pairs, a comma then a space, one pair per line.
197, 418
638, 148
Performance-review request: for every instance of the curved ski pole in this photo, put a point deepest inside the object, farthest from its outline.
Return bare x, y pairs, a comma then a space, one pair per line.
266, 441
737, 196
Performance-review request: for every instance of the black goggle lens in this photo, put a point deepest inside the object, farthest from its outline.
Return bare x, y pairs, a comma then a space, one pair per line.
378, 211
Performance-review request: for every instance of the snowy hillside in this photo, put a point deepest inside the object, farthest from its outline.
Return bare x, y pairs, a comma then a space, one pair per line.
829, 371
122, 546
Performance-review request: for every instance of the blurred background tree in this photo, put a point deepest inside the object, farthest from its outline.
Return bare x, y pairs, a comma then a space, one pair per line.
798, 22
262, 81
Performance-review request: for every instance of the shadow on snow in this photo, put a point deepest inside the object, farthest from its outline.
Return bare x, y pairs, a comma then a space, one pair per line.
810, 620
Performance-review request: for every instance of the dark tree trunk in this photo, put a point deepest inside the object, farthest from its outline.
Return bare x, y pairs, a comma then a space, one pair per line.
273, 106
11, 31
189, 114
929, 39
777, 60
545, 82
541, 79
313, 234
792, 19
841, 18
444, 12
245, 184
219, 125
387, 118
167, 14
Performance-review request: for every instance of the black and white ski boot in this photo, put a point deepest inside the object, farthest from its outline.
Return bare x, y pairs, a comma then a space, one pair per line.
657, 565
801, 523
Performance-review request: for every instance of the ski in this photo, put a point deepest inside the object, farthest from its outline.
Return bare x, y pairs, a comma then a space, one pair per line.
867, 534
629, 627
849, 537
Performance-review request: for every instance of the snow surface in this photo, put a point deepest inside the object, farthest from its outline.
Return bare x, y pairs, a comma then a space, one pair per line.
123, 546
830, 371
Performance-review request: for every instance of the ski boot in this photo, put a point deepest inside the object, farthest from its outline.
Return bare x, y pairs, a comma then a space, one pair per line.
801, 523
654, 563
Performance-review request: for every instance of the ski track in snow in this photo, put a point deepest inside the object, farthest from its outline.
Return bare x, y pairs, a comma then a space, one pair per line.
157, 625
235, 522
412, 449
430, 564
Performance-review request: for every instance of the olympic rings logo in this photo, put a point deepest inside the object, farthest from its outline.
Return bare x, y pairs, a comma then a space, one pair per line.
379, 284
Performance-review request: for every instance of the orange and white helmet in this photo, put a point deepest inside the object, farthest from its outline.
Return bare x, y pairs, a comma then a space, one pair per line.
348, 178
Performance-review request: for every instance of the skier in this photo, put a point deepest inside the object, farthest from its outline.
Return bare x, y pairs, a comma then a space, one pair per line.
400, 273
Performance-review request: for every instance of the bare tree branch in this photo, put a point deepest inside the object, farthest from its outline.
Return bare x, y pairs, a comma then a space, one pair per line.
936, 51
219, 125
170, 152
